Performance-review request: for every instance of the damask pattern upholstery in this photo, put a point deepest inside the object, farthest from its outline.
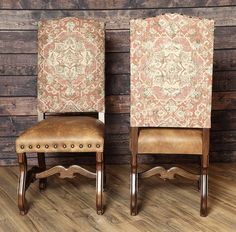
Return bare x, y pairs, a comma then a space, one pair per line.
71, 65
171, 71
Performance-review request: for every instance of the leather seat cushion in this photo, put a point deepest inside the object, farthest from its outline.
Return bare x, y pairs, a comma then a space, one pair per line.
63, 134
170, 141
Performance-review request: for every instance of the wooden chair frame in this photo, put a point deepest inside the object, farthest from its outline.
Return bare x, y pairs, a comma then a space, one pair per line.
202, 178
27, 177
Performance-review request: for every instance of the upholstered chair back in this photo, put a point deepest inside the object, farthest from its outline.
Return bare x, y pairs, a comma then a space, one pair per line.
171, 71
71, 65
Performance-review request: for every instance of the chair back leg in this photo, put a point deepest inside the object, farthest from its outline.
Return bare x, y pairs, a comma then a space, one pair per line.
204, 191
204, 171
99, 181
42, 167
22, 183
134, 186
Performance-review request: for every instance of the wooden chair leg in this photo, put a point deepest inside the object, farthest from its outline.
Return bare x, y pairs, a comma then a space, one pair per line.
22, 159
204, 191
200, 168
134, 186
42, 167
204, 171
99, 182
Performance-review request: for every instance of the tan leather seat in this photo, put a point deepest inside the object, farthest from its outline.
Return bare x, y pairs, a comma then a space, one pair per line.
63, 134
170, 141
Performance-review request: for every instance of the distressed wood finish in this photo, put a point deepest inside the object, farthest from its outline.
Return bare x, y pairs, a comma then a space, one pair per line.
204, 172
116, 84
134, 131
93, 4
114, 104
42, 167
99, 182
18, 70
116, 124
168, 174
117, 63
26, 177
118, 19
22, 183
65, 172
167, 206
116, 40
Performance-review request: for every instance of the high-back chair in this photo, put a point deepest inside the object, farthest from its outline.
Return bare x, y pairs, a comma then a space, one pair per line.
171, 88
70, 79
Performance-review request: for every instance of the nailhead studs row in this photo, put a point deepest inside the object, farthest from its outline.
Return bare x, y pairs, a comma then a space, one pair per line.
55, 146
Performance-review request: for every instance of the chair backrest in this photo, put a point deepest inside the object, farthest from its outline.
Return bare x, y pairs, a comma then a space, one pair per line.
71, 65
171, 71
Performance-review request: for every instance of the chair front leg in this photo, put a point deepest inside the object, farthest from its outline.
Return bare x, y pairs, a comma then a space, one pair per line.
42, 167
99, 182
22, 159
204, 191
134, 186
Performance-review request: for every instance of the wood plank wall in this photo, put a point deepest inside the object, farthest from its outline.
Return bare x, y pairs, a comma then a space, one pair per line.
18, 70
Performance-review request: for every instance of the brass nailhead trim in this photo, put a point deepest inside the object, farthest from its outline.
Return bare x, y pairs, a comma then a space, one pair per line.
98, 145
64, 145
55, 145
81, 145
72, 145
30, 147
38, 146
89, 145
22, 146
46, 146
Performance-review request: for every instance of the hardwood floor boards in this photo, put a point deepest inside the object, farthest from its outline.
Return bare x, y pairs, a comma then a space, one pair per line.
69, 205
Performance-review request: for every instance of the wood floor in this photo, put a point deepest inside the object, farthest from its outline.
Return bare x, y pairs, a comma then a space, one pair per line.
69, 205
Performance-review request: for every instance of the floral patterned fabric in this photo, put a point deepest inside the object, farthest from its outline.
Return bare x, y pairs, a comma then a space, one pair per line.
71, 65
171, 71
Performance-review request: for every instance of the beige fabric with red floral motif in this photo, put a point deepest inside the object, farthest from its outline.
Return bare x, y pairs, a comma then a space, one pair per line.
71, 65
171, 71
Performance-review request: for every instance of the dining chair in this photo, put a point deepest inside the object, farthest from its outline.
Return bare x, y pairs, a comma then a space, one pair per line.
70, 80
171, 89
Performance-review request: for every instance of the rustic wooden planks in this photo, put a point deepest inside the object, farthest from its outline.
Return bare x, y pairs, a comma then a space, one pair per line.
116, 40
18, 106
18, 64
18, 42
14, 126
18, 70
94, 4
115, 19
18, 86
117, 63
166, 206
116, 84
220, 101
224, 81
222, 120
